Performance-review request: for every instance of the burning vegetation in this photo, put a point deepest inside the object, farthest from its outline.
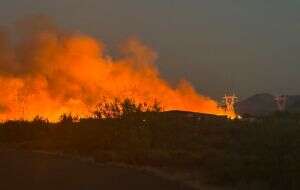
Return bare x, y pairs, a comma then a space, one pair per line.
47, 72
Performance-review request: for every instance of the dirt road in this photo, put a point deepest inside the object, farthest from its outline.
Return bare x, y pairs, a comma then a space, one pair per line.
34, 171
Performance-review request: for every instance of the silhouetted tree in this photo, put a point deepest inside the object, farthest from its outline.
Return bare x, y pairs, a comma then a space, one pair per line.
117, 108
107, 109
40, 120
129, 107
67, 118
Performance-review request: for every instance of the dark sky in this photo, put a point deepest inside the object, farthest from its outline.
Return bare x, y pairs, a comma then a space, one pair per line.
250, 45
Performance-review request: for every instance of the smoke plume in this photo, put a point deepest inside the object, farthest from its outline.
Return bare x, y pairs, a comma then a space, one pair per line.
45, 71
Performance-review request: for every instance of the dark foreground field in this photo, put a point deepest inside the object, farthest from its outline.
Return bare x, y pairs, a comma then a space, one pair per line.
261, 153
35, 171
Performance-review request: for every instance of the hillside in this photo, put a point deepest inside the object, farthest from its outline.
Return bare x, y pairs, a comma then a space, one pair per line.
200, 148
259, 104
264, 104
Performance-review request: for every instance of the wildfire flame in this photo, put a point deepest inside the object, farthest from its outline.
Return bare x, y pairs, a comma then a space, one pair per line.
47, 73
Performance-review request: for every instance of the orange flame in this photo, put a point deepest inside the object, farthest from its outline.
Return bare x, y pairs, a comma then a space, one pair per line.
50, 73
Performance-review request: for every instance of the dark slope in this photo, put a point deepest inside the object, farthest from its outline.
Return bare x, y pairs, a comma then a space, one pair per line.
263, 104
259, 104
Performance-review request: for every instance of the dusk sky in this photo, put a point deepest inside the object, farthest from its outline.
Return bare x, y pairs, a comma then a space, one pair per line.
250, 46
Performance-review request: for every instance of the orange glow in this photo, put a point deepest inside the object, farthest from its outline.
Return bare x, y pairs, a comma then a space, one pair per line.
52, 73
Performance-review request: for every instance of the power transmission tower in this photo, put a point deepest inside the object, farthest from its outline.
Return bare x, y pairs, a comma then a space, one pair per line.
230, 101
281, 102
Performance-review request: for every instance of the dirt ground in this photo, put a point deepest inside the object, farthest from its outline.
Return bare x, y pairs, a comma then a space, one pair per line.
24, 170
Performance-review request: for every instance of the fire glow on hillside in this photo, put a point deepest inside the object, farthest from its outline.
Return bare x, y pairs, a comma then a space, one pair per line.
47, 72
